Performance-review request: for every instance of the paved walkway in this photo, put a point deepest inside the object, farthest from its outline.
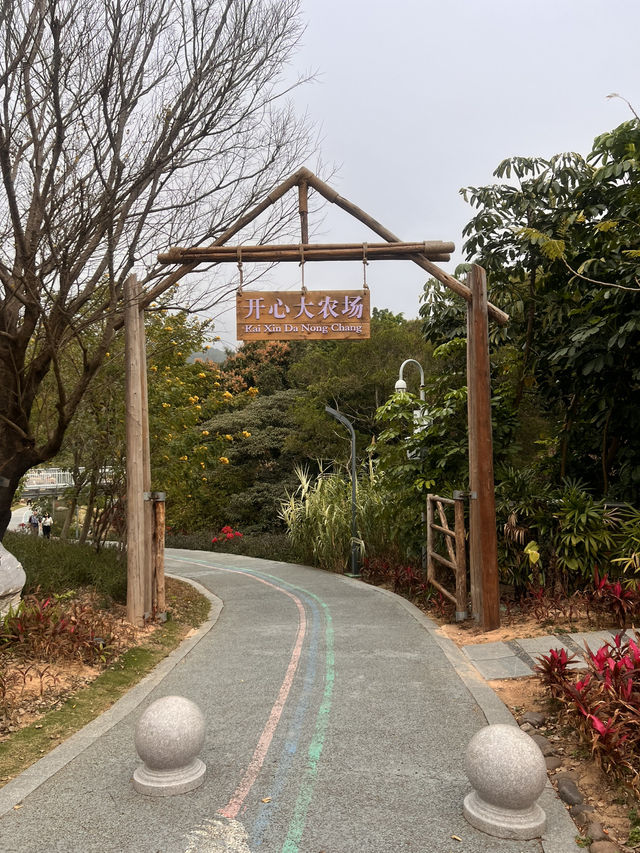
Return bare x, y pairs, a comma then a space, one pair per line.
516, 658
337, 721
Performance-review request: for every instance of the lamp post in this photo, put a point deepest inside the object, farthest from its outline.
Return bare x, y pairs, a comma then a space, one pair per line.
355, 562
401, 385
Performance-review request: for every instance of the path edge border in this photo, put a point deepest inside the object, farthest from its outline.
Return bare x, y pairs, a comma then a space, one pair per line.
560, 834
26, 782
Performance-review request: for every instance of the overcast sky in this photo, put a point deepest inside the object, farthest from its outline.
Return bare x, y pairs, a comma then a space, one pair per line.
415, 99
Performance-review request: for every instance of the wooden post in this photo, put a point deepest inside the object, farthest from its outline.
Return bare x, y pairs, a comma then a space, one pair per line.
148, 565
485, 593
158, 552
461, 561
303, 205
135, 473
431, 569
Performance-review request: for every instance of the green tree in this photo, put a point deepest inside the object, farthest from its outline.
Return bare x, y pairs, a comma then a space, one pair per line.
248, 491
562, 250
354, 377
183, 395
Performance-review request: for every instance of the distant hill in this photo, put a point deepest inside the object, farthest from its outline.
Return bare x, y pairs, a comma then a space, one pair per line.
216, 355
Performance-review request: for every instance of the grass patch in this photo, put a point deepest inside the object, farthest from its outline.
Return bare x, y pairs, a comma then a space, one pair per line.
22, 748
54, 567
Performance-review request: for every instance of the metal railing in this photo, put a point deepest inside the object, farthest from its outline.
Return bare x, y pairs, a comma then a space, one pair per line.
42, 481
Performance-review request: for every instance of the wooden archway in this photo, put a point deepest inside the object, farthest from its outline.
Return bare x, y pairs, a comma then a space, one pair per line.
482, 522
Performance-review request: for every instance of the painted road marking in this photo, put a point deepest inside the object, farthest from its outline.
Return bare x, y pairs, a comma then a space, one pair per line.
290, 747
218, 836
298, 821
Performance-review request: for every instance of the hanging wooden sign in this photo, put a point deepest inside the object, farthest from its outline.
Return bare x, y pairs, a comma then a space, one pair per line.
315, 315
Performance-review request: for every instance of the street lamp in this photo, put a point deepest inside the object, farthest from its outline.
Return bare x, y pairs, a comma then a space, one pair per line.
355, 562
401, 385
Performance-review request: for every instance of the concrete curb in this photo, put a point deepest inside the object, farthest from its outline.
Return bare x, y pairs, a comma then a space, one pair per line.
561, 830
34, 776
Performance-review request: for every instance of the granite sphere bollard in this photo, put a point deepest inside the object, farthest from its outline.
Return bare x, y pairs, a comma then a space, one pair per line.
508, 774
168, 738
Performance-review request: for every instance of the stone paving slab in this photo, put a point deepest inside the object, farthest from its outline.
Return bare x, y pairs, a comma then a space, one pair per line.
507, 667
488, 651
517, 658
594, 639
537, 646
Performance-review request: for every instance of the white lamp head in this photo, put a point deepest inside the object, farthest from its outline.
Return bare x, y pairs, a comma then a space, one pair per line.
401, 385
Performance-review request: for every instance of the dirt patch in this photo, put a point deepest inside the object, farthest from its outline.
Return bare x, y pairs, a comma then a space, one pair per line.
31, 687
39, 687
517, 628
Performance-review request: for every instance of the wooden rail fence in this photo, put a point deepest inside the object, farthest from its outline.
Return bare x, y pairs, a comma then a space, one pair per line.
456, 549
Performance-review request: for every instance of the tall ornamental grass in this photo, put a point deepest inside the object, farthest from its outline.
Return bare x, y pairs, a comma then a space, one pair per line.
318, 518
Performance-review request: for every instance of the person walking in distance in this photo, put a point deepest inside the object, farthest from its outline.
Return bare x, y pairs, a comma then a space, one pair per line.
34, 524
47, 521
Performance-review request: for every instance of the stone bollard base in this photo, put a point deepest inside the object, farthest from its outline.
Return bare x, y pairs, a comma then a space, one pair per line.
169, 736
166, 783
519, 824
508, 773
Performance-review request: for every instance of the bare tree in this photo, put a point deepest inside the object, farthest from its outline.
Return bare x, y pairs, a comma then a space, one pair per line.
126, 126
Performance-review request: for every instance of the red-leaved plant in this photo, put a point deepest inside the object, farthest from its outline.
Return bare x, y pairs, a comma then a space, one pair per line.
603, 703
613, 597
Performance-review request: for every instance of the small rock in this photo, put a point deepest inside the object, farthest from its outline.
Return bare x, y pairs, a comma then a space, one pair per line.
553, 762
604, 847
544, 744
582, 814
596, 832
527, 727
568, 774
568, 791
534, 718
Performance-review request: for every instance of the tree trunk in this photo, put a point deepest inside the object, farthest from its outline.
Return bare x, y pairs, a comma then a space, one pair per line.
604, 453
64, 533
528, 341
89, 513
18, 455
566, 430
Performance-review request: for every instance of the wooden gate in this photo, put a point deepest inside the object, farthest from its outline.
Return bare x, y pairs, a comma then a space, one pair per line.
456, 549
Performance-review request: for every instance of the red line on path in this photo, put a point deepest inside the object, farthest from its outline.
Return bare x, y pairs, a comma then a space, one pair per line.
251, 774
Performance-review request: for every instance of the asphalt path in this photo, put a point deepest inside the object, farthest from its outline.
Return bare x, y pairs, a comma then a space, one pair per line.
337, 722
19, 516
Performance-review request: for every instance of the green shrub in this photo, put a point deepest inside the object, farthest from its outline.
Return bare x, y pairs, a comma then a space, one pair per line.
572, 535
265, 546
56, 567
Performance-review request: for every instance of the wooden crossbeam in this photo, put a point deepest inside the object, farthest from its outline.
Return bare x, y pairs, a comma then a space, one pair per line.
432, 249
304, 180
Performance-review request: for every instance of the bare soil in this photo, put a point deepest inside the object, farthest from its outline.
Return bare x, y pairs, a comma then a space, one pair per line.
32, 686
